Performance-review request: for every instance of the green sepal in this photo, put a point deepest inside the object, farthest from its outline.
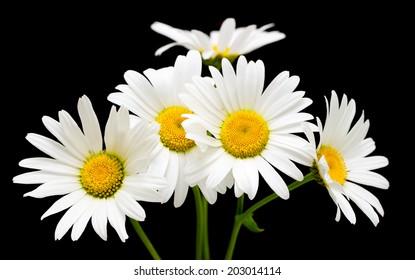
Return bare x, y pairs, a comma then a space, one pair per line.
249, 222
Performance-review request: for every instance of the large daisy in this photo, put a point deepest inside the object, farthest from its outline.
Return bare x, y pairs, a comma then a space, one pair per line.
244, 130
342, 162
98, 183
155, 98
229, 41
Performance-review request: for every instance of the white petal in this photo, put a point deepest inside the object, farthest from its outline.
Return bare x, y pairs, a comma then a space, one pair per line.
364, 194
116, 219
366, 208
225, 33
127, 98
145, 93
203, 39
242, 38
283, 164
53, 149
292, 147
158, 164
64, 202
81, 223
344, 205
252, 84
140, 149
198, 168
144, 187
129, 206
222, 167
368, 163
164, 48
368, 178
73, 133
226, 88
100, 218
278, 94
172, 175
238, 191
57, 130
38, 177
49, 165
246, 176
260, 39
170, 32
203, 103
162, 81
71, 216
90, 124
196, 129
210, 195
273, 179
289, 122
182, 188
111, 131
60, 187
338, 213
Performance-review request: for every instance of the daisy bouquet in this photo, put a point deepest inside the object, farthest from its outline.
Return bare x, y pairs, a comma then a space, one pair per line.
172, 131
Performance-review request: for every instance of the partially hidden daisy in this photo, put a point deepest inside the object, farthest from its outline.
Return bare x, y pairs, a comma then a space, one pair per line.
245, 131
101, 180
155, 98
229, 41
342, 163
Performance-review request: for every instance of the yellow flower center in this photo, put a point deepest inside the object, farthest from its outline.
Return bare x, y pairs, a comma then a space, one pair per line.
172, 133
222, 54
216, 60
244, 134
102, 175
335, 161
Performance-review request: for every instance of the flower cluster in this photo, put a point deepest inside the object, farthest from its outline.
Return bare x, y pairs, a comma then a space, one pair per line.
176, 130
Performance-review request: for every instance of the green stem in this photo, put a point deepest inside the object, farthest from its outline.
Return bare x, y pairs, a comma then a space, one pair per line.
145, 239
232, 242
206, 251
307, 178
239, 218
240, 205
236, 227
199, 222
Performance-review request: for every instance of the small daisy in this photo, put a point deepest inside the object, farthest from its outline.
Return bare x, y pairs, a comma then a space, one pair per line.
98, 184
156, 99
341, 160
229, 41
250, 131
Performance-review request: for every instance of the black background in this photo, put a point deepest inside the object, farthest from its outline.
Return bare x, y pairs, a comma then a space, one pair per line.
54, 54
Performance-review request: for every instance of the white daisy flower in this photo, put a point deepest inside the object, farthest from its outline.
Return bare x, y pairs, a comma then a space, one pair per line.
341, 160
250, 131
155, 98
229, 41
98, 184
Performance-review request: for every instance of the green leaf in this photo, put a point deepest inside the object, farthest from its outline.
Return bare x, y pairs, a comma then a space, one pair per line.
249, 222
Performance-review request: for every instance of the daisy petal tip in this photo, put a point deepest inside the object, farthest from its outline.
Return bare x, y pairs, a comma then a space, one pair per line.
284, 194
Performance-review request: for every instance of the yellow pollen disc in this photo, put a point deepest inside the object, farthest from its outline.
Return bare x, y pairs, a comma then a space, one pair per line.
172, 134
244, 134
217, 58
335, 161
222, 54
102, 175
